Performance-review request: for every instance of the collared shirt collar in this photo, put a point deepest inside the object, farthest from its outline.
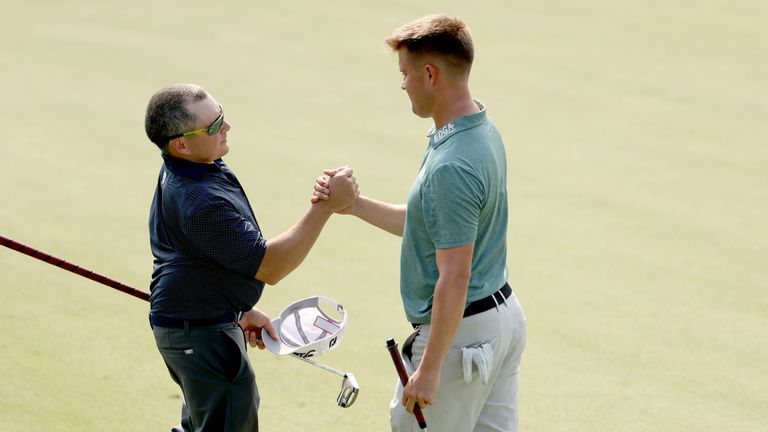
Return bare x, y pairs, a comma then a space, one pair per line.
190, 169
439, 136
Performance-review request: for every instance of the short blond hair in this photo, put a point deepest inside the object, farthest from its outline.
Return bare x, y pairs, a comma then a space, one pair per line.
441, 35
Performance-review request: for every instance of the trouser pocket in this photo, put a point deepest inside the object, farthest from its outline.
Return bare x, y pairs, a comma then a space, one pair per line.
477, 357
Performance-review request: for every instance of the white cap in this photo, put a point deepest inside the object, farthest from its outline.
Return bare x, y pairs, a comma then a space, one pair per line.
304, 329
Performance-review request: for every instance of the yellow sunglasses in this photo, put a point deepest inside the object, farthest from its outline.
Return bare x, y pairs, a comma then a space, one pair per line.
213, 129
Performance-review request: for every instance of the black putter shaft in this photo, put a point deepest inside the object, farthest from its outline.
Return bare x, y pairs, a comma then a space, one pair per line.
403, 374
58, 262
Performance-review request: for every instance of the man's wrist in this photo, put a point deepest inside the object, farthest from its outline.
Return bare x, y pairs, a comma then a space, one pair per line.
429, 368
321, 208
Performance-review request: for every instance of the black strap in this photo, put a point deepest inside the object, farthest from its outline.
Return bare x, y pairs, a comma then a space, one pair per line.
489, 302
484, 304
163, 321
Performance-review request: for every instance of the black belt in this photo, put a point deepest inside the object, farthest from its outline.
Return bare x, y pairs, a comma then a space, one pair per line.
489, 302
485, 303
162, 321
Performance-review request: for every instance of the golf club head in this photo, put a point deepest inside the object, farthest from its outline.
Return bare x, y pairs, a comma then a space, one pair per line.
349, 390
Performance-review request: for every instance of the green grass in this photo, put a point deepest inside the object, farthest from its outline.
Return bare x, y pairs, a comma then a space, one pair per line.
636, 142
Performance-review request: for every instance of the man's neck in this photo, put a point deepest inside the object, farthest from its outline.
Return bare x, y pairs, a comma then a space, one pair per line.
454, 106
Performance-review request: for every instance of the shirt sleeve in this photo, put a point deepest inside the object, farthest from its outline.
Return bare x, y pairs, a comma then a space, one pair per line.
452, 197
221, 234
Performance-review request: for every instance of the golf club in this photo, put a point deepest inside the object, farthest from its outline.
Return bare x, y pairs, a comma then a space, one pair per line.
403, 374
58, 262
349, 386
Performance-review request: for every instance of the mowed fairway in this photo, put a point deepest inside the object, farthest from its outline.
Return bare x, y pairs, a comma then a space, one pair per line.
637, 144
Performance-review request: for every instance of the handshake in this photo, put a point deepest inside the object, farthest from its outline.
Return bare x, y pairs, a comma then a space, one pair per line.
336, 189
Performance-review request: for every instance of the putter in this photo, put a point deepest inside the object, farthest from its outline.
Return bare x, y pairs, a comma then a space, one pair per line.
349, 386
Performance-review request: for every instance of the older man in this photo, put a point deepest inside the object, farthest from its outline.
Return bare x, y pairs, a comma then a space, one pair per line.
212, 261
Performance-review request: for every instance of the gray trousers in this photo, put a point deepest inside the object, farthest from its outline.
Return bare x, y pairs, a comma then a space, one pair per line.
478, 381
211, 366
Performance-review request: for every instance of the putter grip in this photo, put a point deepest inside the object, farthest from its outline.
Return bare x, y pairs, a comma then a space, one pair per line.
398, 361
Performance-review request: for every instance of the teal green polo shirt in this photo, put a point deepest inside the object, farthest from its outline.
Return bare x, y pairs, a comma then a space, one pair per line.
459, 197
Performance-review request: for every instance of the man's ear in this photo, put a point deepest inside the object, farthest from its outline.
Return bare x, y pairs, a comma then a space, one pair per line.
178, 146
431, 72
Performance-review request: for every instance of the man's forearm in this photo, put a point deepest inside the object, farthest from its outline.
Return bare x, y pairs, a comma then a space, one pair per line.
455, 266
447, 311
286, 251
389, 217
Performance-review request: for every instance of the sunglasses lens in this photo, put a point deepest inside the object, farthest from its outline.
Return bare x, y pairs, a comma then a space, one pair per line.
216, 127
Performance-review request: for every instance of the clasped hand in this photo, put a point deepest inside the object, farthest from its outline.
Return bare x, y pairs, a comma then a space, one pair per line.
344, 186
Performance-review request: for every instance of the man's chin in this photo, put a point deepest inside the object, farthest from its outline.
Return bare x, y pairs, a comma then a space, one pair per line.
420, 113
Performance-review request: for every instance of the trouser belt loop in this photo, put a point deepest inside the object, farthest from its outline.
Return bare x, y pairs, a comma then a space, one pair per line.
501, 300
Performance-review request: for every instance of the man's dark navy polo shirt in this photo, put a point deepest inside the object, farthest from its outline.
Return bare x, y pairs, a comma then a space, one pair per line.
206, 242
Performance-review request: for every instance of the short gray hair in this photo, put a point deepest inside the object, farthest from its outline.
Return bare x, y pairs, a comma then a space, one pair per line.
167, 112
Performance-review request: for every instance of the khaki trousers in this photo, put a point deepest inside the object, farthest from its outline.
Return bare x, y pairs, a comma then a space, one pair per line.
486, 352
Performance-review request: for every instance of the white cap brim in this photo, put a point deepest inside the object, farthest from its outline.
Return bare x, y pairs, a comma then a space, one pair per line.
275, 345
